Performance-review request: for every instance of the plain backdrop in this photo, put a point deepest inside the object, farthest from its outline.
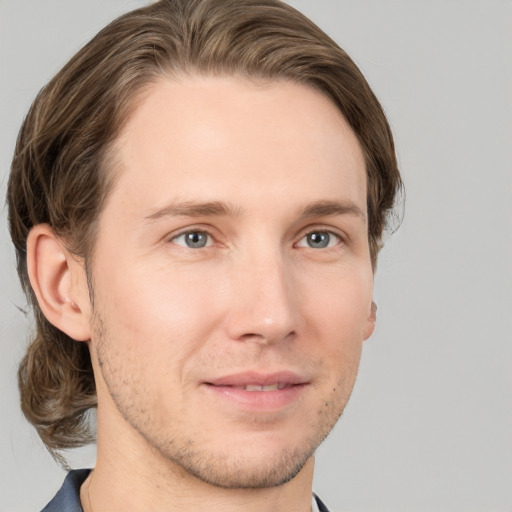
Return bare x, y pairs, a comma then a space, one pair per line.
429, 426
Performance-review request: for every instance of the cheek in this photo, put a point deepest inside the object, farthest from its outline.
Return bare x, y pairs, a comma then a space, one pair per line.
337, 310
339, 302
158, 312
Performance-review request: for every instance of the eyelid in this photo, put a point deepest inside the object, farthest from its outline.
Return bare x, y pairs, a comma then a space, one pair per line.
340, 235
209, 241
214, 238
192, 229
339, 239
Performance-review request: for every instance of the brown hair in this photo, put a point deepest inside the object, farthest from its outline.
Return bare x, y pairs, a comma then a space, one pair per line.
59, 171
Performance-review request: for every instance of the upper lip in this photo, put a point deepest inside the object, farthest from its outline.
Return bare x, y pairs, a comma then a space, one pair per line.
259, 379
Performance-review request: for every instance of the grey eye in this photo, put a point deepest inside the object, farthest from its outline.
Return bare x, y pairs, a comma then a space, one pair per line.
319, 240
193, 239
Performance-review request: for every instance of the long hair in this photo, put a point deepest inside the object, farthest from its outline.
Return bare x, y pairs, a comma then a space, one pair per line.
61, 172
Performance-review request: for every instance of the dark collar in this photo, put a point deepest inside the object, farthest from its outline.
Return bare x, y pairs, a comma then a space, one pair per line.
68, 497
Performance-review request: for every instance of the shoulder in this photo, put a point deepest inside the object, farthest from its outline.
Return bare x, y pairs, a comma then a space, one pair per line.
321, 506
67, 498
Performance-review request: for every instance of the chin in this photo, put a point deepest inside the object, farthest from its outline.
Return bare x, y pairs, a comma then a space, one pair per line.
244, 462
246, 472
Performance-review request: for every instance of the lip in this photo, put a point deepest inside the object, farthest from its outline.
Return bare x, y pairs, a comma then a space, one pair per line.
259, 379
231, 390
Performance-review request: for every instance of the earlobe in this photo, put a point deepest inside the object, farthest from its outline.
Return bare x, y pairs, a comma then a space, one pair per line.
59, 282
370, 322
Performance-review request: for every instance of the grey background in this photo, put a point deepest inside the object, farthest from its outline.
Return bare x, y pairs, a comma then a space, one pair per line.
429, 426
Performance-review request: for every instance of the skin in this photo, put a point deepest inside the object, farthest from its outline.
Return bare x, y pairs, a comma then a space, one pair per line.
282, 175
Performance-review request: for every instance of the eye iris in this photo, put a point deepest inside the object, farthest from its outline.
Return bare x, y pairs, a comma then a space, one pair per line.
196, 239
318, 240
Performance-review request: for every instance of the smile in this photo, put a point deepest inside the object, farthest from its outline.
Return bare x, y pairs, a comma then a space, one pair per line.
253, 391
268, 387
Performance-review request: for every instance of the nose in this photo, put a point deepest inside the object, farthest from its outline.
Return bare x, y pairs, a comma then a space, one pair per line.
264, 305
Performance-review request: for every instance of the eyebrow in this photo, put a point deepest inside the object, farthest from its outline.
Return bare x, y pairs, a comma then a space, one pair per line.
332, 208
193, 209
218, 208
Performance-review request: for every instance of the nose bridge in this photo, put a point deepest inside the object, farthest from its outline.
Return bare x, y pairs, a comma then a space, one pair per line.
263, 304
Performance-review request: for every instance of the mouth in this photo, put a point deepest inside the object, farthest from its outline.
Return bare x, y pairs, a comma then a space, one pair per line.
267, 387
257, 391
257, 381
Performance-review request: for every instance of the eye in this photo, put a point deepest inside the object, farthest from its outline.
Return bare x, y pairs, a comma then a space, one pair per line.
193, 239
319, 240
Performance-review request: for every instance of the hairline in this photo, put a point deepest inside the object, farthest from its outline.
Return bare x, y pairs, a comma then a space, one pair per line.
111, 166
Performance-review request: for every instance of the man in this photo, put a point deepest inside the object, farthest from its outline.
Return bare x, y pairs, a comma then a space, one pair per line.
197, 201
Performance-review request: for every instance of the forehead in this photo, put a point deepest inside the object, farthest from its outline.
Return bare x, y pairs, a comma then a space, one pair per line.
216, 137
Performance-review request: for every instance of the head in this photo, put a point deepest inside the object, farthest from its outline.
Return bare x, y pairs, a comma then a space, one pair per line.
66, 167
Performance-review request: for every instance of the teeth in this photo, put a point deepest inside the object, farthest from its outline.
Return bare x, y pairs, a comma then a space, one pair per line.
254, 387
269, 387
257, 387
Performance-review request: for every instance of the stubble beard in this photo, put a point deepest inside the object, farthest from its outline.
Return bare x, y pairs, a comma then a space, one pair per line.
186, 457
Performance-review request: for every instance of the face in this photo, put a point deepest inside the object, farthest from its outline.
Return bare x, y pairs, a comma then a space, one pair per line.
232, 278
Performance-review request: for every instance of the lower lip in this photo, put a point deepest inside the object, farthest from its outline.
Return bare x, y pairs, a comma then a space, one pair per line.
258, 400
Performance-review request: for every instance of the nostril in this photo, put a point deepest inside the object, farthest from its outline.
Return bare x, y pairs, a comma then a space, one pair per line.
266, 338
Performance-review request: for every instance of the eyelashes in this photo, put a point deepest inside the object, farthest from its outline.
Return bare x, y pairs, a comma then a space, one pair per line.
195, 239
319, 239
314, 239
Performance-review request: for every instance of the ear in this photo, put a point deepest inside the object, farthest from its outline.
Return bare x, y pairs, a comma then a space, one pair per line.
370, 321
59, 281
